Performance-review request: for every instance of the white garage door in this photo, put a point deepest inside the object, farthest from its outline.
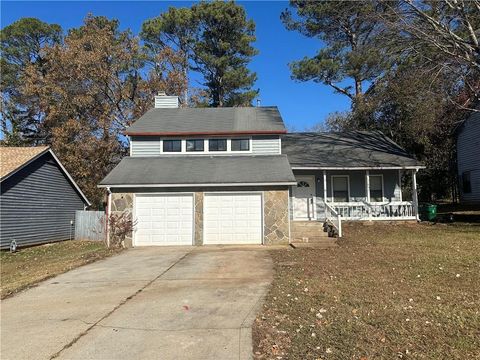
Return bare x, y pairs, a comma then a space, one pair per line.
164, 220
233, 218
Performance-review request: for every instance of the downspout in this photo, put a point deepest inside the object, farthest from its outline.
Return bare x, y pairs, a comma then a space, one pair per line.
107, 225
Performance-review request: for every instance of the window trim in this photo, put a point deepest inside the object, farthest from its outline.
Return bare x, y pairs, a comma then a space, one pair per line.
195, 151
206, 150
370, 188
332, 177
218, 151
241, 139
182, 145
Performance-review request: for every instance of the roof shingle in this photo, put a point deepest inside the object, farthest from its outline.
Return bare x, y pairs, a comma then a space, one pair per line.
355, 149
200, 170
12, 158
208, 121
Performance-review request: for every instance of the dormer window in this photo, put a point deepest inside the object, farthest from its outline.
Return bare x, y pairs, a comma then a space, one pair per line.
240, 144
217, 145
172, 145
195, 145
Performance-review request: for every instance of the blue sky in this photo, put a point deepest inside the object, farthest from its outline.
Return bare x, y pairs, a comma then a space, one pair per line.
302, 104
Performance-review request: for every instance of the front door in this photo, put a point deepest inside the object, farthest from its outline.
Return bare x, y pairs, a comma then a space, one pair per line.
304, 198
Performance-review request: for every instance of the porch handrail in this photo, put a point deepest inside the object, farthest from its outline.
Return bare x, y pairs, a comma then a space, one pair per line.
334, 218
360, 210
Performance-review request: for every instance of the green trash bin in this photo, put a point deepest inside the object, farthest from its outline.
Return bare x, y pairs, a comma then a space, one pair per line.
427, 212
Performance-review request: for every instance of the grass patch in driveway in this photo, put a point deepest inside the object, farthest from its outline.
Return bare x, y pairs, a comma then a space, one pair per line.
31, 265
387, 292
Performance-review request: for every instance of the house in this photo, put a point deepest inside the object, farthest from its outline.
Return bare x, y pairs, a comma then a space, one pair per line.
38, 197
468, 159
234, 176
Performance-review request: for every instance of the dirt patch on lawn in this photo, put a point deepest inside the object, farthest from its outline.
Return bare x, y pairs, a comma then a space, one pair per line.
31, 265
387, 292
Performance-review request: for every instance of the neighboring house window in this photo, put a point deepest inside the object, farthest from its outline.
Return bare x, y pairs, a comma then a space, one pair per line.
217, 145
340, 188
376, 188
195, 145
172, 145
466, 184
240, 144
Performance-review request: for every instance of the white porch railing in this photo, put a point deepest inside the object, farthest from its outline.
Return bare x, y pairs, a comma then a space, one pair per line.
334, 218
398, 210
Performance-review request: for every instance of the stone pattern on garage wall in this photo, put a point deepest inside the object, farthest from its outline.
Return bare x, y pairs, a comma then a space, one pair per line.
122, 203
198, 218
276, 218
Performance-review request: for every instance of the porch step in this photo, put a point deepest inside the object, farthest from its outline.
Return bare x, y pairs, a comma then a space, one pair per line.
307, 223
312, 245
314, 239
304, 230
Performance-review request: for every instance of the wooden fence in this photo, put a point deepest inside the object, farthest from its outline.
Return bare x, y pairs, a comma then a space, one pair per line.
90, 225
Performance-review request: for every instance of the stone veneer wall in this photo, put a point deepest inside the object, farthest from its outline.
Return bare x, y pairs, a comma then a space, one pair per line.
123, 203
198, 237
276, 217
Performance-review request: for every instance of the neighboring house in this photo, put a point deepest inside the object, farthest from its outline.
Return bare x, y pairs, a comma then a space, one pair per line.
468, 159
234, 176
38, 197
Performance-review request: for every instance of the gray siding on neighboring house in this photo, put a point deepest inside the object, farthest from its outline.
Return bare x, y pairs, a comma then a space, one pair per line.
37, 204
150, 145
468, 157
391, 186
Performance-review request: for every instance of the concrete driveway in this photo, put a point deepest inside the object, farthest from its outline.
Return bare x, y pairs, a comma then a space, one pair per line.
146, 303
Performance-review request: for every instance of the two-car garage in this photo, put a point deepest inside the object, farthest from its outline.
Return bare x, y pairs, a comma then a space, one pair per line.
168, 219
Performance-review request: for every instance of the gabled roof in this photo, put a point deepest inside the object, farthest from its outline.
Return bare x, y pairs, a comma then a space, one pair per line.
346, 150
12, 159
178, 170
209, 121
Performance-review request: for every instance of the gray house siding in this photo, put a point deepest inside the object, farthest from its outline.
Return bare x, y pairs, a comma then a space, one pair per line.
150, 145
145, 145
391, 186
37, 204
468, 158
266, 145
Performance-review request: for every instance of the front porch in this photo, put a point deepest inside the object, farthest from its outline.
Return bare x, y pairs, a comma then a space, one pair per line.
358, 195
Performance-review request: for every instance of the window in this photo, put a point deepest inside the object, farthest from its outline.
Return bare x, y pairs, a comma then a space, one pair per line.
466, 184
376, 188
240, 144
303, 184
217, 145
195, 145
172, 145
340, 188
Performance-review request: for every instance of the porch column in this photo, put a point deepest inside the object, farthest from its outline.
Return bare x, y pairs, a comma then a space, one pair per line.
400, 183
324, 186
415, 197
367, 193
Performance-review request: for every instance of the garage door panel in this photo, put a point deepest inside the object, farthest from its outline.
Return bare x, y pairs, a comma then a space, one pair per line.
233, 218
164, 219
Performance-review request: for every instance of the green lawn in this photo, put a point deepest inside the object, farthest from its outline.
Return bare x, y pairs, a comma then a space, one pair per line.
30, 265
387, 292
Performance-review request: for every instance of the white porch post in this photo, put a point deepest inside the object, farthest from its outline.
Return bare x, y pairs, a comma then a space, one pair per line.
415, 197
400, 183
107, 222
324, 186
367, 192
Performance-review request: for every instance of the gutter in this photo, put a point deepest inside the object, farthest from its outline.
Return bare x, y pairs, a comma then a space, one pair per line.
213, 133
